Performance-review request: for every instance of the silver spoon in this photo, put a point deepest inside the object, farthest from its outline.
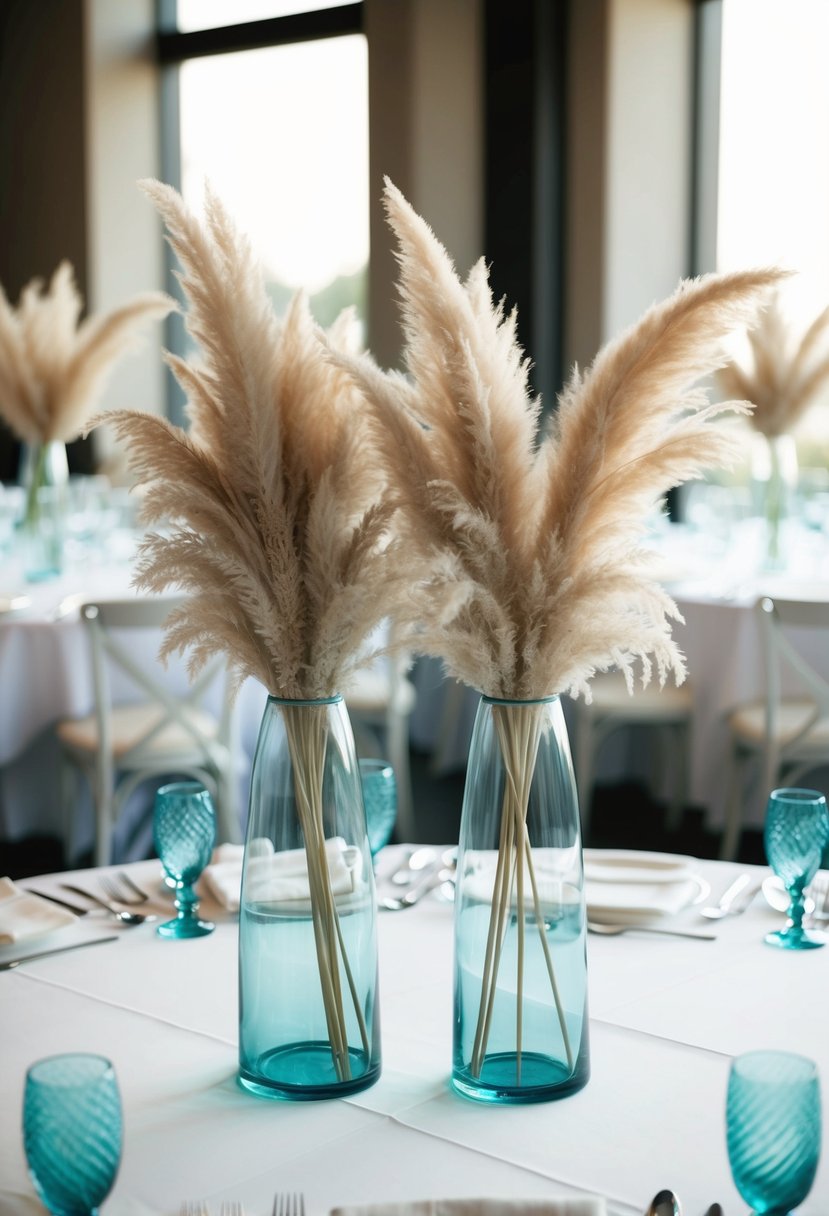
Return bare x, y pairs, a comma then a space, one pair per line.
664, 1203
434, 876
730, 902
594, 926
126, 918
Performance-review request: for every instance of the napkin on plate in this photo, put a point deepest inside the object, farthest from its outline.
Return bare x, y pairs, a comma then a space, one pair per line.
25, 915
279, 877
583, 1206
625, 886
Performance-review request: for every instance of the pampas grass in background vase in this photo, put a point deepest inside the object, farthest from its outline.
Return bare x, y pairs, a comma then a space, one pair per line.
277, 523
52, 373
534, 541
783, 374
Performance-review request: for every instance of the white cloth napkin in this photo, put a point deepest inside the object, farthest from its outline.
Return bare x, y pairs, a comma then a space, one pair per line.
25, 915
626, 886
583, 1206
279, 877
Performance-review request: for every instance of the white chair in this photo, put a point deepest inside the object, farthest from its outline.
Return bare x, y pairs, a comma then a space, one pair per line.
119, 746
789, 735
380, 699
667, 710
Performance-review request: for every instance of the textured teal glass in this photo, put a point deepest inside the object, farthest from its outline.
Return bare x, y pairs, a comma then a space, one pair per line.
308, 1013
796, 832
773, 1128
520, 1025
379, 800
72, 1131
184, 832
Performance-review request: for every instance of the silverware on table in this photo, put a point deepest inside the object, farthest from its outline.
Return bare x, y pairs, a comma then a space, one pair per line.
735, 899
126, 918
32, 958
231, 1207
431, 878
194, 1207
287, 1203
664, 1203
116, 889
63, 903
608, 930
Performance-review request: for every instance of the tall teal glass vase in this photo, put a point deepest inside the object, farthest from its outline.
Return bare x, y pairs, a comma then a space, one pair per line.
521, 1025
44, 474
308, 1010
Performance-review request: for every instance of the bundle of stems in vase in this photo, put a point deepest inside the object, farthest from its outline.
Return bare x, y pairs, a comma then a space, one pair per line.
277, 520
539, 529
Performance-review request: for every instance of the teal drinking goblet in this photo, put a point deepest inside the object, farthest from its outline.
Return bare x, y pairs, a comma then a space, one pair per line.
773, 1129
380, 801
184, 831
72, 1131
797, 828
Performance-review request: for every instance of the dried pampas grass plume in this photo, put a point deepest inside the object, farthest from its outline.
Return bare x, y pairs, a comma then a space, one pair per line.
783, 374
53, 370
279, 517
542, 534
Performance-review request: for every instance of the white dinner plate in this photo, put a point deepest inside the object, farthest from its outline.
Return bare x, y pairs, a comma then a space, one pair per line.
629, 903
630, 865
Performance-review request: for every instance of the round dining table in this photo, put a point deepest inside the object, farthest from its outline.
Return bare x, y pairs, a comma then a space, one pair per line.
667, 1016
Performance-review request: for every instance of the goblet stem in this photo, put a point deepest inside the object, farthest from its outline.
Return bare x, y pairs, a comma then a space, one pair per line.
187, 922
186, 901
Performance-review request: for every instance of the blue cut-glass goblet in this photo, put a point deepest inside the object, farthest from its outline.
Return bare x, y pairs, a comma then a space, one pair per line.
72, 1131
773, 1129
184, 831
380, 801
797, 828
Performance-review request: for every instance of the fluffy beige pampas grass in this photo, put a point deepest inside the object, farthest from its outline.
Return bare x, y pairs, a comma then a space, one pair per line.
783, 373
276, 499
53, 370
543, 532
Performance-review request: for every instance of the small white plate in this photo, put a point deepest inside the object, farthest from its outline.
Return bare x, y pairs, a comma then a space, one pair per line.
630, 865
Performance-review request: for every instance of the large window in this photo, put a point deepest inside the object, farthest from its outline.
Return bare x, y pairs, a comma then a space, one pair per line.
280, 132
765, 158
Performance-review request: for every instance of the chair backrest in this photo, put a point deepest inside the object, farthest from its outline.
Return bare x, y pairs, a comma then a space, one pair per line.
778, 618
101, 617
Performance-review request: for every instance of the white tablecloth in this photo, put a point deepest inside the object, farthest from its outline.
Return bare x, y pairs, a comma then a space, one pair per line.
667, 1015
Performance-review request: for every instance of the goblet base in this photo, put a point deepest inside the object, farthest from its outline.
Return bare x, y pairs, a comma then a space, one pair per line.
796, 939
185, 926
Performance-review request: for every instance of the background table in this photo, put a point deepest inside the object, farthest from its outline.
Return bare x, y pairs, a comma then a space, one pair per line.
667, 1015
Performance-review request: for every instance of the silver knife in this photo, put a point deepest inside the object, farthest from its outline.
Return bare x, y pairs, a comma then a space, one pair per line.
31, 958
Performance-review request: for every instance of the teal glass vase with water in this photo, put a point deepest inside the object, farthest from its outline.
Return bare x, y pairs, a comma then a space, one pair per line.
520, 1024
309, 1022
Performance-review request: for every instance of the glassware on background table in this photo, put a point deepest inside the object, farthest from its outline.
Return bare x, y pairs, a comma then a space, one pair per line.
796, 831
380, 801
72, 1130
773, 1128
184, 832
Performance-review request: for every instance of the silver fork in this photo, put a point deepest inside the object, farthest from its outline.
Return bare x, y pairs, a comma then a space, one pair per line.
122, 889
232, 1208
287, 1203
194, 1207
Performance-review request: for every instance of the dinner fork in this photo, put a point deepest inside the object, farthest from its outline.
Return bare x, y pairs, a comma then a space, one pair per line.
194, 1207
232, 1208
122, 889
287, 1203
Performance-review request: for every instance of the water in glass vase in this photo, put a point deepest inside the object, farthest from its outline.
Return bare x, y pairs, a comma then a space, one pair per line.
536, 1062
278, 955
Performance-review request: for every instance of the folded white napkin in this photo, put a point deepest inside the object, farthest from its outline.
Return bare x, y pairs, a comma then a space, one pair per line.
587, 1205
279, 877
24, 915
626, 886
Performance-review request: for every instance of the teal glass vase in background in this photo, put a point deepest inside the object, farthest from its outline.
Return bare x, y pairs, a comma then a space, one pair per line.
773, 1129
795, 835
521, 1026
72, 1131
308, 1009
184, 833
380, 801
44, 474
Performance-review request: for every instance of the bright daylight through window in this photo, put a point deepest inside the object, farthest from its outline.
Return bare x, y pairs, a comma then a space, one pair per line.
281, 134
